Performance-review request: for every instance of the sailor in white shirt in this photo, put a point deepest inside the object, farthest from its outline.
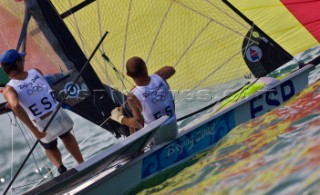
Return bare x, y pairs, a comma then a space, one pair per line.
31, 98
149, 100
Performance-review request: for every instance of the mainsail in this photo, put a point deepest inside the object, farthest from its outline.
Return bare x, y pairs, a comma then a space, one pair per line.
202, 40
212, 47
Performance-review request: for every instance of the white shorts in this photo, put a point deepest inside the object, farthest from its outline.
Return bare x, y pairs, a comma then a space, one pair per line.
61, 124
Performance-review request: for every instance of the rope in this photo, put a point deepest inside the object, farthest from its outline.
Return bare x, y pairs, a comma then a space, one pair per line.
125, 41
11, 171
75, 25
31, 138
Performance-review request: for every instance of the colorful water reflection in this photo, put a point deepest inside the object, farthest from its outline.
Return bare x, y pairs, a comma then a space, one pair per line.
275, 153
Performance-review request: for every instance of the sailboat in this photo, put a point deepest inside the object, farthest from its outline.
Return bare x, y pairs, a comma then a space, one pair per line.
215, 49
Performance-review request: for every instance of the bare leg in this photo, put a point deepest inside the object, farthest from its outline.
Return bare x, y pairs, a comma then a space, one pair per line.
54, 156
71, 144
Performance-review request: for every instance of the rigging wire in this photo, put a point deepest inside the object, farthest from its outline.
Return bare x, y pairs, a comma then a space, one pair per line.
28, 133
110, 165
212, 73
11, 172
38, 150
122, 79
81, 36
50, 172
78, 31
57, 109
210, 18
125, 41
105, 70
21, 186
215, 70
15, 123
74, 24
227, 14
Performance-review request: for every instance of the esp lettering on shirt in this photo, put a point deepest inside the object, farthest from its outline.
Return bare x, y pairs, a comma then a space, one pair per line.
45, 102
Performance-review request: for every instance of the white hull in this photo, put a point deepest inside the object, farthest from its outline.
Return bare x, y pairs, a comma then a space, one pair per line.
197, 138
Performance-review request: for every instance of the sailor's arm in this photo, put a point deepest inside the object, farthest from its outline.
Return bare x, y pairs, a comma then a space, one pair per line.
11, 96
166, 72
135, 122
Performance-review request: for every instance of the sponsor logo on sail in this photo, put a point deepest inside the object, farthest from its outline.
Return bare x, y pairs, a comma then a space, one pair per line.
254, 54
74, 91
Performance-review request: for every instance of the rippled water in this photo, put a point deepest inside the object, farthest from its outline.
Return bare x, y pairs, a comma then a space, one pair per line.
91, 139
275, 153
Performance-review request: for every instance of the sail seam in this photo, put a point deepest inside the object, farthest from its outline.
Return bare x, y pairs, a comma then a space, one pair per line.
215, 70
234, 19
215, 21
158, 32
192, 43
78, 31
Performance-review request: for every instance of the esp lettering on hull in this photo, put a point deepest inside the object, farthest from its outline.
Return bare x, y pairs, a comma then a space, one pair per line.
272, 98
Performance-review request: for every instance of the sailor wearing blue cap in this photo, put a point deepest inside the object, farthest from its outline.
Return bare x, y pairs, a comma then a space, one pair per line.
10, 56
31, 98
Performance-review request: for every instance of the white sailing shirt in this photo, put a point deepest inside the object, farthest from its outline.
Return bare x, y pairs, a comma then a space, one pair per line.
156, 99
34, 94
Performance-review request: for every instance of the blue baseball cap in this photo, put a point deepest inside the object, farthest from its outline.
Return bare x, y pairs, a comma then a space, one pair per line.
11, 55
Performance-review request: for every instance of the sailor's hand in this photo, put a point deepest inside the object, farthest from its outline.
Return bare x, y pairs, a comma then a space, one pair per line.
117, 114
7, 106
38, 134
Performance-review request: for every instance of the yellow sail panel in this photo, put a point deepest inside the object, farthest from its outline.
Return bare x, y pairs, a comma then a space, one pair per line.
279, 23
201, 39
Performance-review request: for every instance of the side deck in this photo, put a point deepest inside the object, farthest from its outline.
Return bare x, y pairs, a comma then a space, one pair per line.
197, 138
105, 162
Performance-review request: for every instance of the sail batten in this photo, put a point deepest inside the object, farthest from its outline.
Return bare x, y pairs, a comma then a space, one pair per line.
76, 8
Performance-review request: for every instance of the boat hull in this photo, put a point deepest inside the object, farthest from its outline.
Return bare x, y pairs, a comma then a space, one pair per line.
200, 136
